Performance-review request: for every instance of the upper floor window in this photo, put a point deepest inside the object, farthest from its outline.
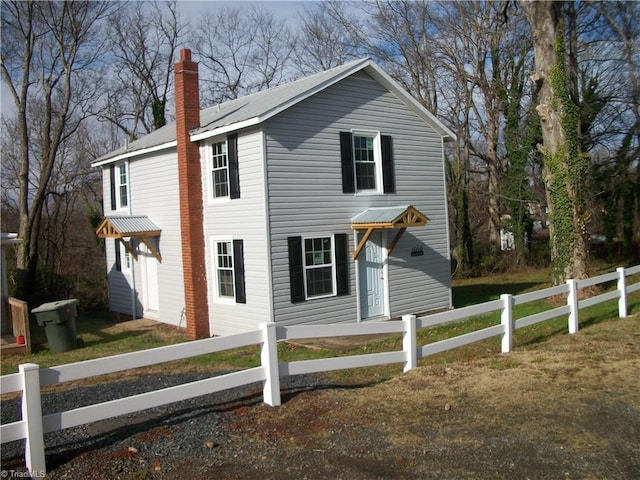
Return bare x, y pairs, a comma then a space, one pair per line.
219, 170
119, 178
224, 180
367, 163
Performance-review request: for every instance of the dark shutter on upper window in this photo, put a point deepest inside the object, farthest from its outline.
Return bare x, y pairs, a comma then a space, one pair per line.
342, 264
112, 184
116, 244
346, 158
238, 271
234, 174
388, 173
296, 274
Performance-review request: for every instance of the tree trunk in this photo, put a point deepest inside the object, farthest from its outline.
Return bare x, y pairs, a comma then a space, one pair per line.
565, 167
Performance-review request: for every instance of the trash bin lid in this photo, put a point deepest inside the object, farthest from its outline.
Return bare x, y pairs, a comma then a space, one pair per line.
58, 305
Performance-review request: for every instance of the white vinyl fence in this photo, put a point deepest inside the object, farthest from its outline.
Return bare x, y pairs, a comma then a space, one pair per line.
31, 378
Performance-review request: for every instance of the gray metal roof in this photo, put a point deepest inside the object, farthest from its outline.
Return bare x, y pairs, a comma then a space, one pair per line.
258, 107
379, 215
128, 224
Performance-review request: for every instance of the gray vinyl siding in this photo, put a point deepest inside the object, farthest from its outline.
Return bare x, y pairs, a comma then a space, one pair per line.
306, 199
157, 199
240, 219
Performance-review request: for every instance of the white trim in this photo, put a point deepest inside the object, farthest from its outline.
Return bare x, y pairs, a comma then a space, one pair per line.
226, 129
118, 185
446, 217
377, 157
384, 266
334, 286
135, 153
217, 298
209, 186
267, 225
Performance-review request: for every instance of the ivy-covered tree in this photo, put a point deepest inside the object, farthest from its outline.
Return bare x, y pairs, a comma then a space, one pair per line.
565, 166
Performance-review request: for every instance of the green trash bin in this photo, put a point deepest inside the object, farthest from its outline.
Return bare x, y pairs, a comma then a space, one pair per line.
59, 322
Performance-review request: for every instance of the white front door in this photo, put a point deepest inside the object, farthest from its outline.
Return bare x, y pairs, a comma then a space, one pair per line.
150, 297
370, 271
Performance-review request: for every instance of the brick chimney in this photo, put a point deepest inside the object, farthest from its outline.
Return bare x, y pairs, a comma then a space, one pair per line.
191, 202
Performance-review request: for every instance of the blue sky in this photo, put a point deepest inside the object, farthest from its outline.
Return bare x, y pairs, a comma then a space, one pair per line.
289, 9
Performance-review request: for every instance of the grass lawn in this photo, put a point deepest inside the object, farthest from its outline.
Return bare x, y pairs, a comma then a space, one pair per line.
102, 337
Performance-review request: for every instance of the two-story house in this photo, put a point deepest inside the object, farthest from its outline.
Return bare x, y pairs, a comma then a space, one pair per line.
319, 201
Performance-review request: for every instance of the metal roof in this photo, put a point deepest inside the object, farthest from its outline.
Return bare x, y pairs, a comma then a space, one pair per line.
258, 107
379, 215
127, 226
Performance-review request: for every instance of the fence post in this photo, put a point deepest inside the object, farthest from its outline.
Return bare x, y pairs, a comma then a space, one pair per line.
32, 416
409, 342
269, 358
572, 302
622, 290
507, 322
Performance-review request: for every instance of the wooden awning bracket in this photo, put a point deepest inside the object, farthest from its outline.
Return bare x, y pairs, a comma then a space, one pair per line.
128, 247
120, 228
408, 217
154, 251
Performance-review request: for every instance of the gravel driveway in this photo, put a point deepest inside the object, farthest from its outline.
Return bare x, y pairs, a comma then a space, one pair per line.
565, 408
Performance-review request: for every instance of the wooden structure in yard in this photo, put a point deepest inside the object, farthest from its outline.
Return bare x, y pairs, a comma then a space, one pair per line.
19, 340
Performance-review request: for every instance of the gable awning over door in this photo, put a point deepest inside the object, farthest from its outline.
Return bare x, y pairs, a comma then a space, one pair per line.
130, 226
386, 217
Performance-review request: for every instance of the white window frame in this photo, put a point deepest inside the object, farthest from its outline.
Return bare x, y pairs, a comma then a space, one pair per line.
126, 259
216, 267
377, 157
120, 168
212, 187
306, 267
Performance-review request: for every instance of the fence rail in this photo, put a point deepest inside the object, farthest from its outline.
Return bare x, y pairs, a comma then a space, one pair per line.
31, 378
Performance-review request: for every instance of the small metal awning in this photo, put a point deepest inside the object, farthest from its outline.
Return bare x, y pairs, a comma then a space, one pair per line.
130, 226
386, 217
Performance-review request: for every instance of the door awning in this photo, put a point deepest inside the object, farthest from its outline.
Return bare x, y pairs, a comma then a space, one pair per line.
386, 217
130, 226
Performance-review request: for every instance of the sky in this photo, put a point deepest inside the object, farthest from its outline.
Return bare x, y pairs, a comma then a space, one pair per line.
288, 9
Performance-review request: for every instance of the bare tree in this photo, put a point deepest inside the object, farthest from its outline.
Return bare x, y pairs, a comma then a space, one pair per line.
329, 36
47, 47
241, 51
144, 38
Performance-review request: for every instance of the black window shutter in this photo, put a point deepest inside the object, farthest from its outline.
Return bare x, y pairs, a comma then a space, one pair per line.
346, 158
234, 174
296, 274
116, 244
238, 271
388, 173
342, 264
112, 182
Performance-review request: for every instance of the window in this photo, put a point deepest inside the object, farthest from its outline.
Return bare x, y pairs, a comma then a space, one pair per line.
364, 156
229, 266
318, 267
224, 180
122, 253
119, 177
219, 170
367, 163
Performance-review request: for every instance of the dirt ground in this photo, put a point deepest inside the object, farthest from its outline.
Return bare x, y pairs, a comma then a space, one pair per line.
567, 407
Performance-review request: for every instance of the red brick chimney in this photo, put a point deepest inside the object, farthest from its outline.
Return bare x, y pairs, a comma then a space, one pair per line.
191, 202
